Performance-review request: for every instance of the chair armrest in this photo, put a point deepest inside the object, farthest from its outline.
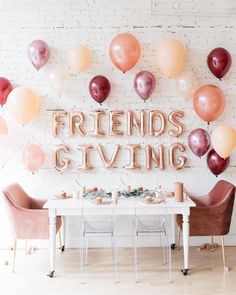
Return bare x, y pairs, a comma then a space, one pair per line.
37, 203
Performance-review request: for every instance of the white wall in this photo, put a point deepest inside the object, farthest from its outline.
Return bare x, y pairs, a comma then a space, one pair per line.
95, 23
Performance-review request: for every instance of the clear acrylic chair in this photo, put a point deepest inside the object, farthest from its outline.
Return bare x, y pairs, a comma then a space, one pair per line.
97, 225
157, 225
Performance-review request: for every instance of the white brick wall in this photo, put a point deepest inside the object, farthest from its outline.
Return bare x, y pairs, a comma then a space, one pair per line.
95, 23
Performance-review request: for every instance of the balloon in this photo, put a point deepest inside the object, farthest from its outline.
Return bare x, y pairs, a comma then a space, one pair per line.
33, 157
199, 141
79, 58
223, 139
219, 62
99, 88
216, 164
209, 102
186, 83
23, 104
59, 80
5, 89
3, 126
38, 53
170, 57
124, 51
144, 84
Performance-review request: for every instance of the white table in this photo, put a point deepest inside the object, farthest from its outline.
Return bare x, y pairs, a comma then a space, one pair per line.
125, 207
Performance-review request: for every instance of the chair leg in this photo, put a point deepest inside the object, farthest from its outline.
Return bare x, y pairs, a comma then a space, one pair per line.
114, 257
223, 253
59, 234
135, 257
212, 243
14, 255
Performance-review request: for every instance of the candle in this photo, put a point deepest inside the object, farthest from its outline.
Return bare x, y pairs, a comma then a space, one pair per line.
115, 196
128, 187
179, 187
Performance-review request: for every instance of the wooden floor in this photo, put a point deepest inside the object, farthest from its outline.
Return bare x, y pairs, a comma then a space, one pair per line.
206, 275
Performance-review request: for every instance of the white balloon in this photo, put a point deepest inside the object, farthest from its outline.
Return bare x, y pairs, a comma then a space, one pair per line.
187, 84
59, 80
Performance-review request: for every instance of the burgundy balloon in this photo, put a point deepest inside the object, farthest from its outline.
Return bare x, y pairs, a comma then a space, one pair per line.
144, 84
199, 141
38, 53
219, 62
5, 89
216, 164
99, 88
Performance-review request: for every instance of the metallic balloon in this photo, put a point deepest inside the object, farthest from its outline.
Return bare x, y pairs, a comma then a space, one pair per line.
216, 164
209, 102
99, 88
153, 115
56, 122
114, 123
97, 114
219, 62
108, 163
144, 84
38, 53
199, 141
138, 123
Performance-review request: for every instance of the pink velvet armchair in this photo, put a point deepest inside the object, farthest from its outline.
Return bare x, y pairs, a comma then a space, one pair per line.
213, 212
27, 217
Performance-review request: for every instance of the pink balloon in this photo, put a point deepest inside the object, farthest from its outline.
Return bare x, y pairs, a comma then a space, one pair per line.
38, 53
3, 126
199, 141
33, 157
144, 84
5, 89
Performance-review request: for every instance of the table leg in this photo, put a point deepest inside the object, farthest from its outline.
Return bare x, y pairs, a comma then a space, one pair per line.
52, 243
173, 234
185, 243
63, 233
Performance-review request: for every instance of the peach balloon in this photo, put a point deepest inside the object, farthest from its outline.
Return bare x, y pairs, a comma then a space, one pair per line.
3, 126
170, 57
209, 102
124, 51
23, 104
79, 58
33, 157
186, 84
223, 140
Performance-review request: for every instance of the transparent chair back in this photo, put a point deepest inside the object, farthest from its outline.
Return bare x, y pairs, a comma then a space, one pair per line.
97, 220
148, 222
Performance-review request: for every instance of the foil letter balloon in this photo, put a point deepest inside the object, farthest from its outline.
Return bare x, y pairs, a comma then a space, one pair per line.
124, 51
133, 148
152, 156
209, 102
85, 149
61, 164
38, 53
179, 164
179, 126
57, 122
108, 163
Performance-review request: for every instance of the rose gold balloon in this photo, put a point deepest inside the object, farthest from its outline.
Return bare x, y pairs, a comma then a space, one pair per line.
152, 117
114, 123
56, 122
61, 164
172, 157
132, 162
76, 123
172, 119
152, 156
124, 51
209, 102
97, 123
108, 163
85, 156
132, 121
